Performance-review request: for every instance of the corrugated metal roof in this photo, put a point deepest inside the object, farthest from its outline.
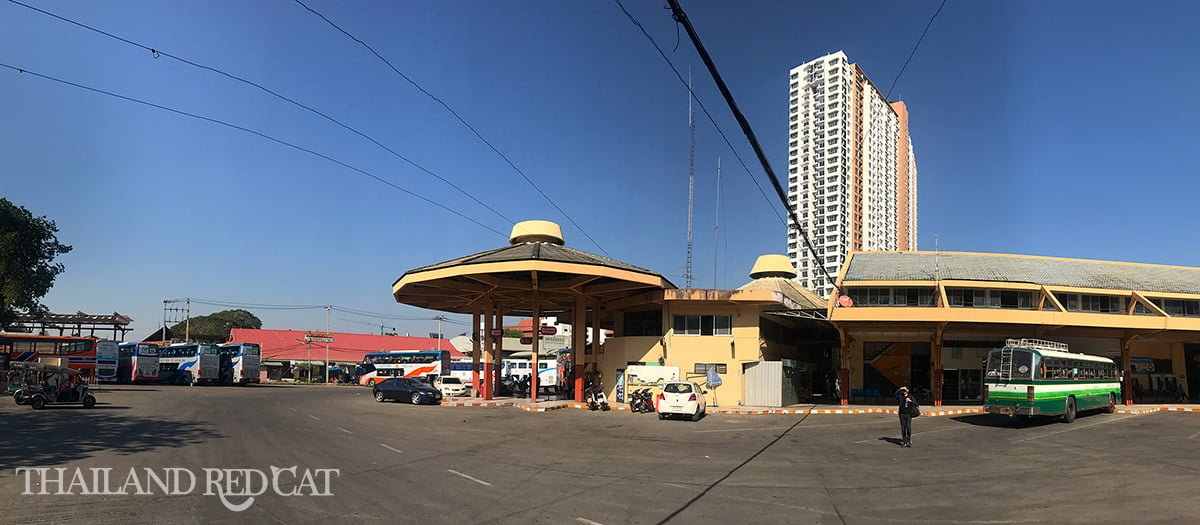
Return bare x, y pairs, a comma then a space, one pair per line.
540, 251
807, 299
1020, 269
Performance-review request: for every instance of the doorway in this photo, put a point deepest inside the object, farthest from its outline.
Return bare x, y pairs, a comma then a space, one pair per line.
1191, 354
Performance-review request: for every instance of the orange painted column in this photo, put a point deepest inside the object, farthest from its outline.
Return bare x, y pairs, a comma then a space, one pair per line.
488, 358
579, 345
497, 351
533, 348
936, 351
844, 371
475, 340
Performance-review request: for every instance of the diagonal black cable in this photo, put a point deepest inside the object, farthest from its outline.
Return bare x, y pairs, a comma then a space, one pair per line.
256, 133
460, 119
914, 50
683, 81
682, 18
158, 52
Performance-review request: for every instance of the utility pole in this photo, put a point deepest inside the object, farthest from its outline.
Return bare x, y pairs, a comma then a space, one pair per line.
440, 318
187, 324
717, 225
327, 335
687, 270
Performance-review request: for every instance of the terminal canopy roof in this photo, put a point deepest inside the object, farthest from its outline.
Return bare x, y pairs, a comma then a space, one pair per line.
513, 277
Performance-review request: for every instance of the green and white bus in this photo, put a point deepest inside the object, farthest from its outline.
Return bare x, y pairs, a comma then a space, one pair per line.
1030, 377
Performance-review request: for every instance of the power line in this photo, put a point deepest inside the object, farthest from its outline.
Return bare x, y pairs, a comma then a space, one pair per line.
343, 309
158, 52
914, 50
699, 102
460, 118
681, 18
256, 133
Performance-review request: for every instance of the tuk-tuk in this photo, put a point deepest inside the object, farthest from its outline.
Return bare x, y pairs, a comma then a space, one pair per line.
22, 374
58, 386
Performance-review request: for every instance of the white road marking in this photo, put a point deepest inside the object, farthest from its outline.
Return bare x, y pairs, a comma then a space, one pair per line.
1194, 435
391, 449
476, 480
344, 430
292, 409
314, 417
586, 521
1073, 427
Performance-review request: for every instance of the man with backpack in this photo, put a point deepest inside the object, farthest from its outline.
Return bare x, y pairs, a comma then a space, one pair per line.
907, 409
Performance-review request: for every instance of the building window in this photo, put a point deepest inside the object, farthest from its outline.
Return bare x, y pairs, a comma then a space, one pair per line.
647, 323
702, 368
1105, 304
703, 325
980, 298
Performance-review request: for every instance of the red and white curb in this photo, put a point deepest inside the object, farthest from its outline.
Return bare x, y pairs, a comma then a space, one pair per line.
1151, 410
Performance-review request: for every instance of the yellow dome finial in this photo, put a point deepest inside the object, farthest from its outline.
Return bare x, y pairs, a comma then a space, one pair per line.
773, 265
536, 231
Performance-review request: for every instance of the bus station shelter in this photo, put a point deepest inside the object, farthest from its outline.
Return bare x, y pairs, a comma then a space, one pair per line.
928, 319
536, 275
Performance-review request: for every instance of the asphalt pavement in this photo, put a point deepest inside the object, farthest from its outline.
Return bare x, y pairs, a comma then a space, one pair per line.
422, 464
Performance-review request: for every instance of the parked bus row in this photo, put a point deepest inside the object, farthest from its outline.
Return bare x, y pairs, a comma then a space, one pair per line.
111, 362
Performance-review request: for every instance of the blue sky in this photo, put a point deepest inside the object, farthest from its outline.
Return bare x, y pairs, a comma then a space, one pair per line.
1044, 128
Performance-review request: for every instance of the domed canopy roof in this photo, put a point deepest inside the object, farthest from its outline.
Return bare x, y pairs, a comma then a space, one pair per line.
535, 268
773, 265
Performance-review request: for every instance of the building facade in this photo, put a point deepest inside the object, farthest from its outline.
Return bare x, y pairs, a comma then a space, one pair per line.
852, 175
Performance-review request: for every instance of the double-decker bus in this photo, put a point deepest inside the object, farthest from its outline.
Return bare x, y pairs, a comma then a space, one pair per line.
107, 361
189, 364
1030, 377
138, 363
78, 353
419, 364
239, 363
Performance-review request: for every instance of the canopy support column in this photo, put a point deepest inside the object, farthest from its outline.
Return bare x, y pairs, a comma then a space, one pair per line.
595, 352
579, 345
937, 366
488, 356
498, 351
475, 340
1126, 377
537, 336
844, 368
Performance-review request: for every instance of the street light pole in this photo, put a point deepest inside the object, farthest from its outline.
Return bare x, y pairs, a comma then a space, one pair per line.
327, 310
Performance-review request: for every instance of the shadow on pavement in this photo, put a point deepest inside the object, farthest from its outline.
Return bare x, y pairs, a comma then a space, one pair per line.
56, 435
996, 420
892, 440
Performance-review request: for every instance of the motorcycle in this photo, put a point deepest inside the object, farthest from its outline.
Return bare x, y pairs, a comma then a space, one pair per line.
640, 401
595, 397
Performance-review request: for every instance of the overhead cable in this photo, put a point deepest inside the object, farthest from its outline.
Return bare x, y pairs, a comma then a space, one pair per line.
460, 119
256, 133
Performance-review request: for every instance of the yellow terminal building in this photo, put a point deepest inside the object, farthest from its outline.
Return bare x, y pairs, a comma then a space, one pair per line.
921, 319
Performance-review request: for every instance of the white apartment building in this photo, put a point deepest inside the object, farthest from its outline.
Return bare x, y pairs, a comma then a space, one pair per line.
851, 168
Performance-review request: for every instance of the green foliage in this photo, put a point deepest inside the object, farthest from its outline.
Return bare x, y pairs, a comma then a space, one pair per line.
215, 328
510, 332
28, 247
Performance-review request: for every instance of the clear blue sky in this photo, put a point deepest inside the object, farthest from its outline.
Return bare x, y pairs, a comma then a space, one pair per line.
1061, 128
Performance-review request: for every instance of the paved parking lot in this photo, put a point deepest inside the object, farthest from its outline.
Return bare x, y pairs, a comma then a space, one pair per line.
401, 463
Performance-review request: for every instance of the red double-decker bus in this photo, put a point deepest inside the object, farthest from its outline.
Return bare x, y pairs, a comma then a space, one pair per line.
78, 353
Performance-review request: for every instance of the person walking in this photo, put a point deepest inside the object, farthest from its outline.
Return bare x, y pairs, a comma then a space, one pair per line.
907, 405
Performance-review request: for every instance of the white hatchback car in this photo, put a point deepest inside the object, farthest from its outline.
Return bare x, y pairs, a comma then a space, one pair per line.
451, 386
682, 398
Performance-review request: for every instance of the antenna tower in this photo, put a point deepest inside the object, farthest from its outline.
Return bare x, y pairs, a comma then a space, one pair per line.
687, 270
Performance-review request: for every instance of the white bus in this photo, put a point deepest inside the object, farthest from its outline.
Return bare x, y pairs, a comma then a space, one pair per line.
240, 363
138, 363
107, 361
417, 364
520, 369
189, 364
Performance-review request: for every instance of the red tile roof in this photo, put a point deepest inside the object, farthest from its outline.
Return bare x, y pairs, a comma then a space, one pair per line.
289, 345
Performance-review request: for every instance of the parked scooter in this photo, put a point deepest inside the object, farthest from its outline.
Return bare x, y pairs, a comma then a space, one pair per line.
595, 397
640, 401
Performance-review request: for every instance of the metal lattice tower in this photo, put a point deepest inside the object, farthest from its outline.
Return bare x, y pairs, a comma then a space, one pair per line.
687, 270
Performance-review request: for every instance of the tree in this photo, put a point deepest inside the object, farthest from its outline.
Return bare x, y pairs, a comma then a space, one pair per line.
512, 332
215, 328
28, 247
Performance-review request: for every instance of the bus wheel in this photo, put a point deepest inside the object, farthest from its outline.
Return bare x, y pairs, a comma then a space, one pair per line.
1070, 415
371, 383
1112, 403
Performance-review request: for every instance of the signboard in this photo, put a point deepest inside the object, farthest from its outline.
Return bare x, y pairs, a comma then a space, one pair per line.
526, 340
318, 338
497, 332
644, 375
1141, 365
549, 330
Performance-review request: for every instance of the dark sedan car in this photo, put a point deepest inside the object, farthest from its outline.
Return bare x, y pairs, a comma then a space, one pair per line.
405, 389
